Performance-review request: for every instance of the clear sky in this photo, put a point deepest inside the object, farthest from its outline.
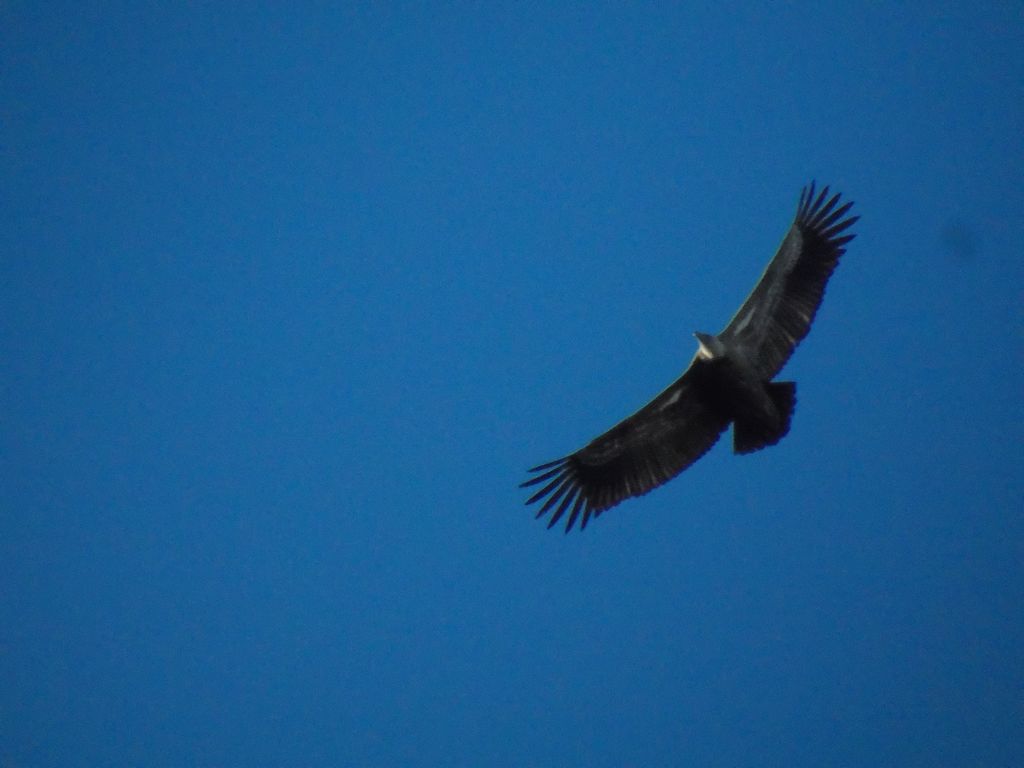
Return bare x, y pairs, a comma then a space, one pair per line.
292, 295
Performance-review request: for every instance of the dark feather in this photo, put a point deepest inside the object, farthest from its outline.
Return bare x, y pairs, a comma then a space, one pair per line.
637, 455
778, 313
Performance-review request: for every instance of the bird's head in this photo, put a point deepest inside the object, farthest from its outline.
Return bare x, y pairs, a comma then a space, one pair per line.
709, 346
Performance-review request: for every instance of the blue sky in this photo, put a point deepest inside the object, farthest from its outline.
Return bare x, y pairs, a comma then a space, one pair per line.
293, 295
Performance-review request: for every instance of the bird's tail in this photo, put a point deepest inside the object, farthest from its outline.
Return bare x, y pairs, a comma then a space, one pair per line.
753, 435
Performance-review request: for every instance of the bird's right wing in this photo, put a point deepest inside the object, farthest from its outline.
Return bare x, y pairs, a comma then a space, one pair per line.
635, 456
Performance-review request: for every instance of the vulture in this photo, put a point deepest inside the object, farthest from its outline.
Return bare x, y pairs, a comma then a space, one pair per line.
729, 381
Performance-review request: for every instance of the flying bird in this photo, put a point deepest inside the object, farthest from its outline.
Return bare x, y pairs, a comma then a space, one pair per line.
729, 381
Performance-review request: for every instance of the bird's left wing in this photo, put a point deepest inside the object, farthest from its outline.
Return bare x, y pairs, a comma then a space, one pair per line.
635, 456
778, 313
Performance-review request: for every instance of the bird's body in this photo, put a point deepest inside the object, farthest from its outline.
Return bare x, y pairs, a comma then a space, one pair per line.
729, 381
730, 385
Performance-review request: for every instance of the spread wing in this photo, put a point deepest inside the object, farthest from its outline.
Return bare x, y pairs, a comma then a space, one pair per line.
635, 456
778, 314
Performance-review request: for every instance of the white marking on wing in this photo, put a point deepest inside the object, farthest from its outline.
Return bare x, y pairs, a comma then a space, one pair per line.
745, 320
672, 400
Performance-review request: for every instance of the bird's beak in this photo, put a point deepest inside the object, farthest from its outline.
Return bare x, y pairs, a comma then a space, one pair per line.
703, 345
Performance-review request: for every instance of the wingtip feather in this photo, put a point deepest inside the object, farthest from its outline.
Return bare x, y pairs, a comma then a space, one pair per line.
546, 465
540, 478
545, 490
567, 483
575, 513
